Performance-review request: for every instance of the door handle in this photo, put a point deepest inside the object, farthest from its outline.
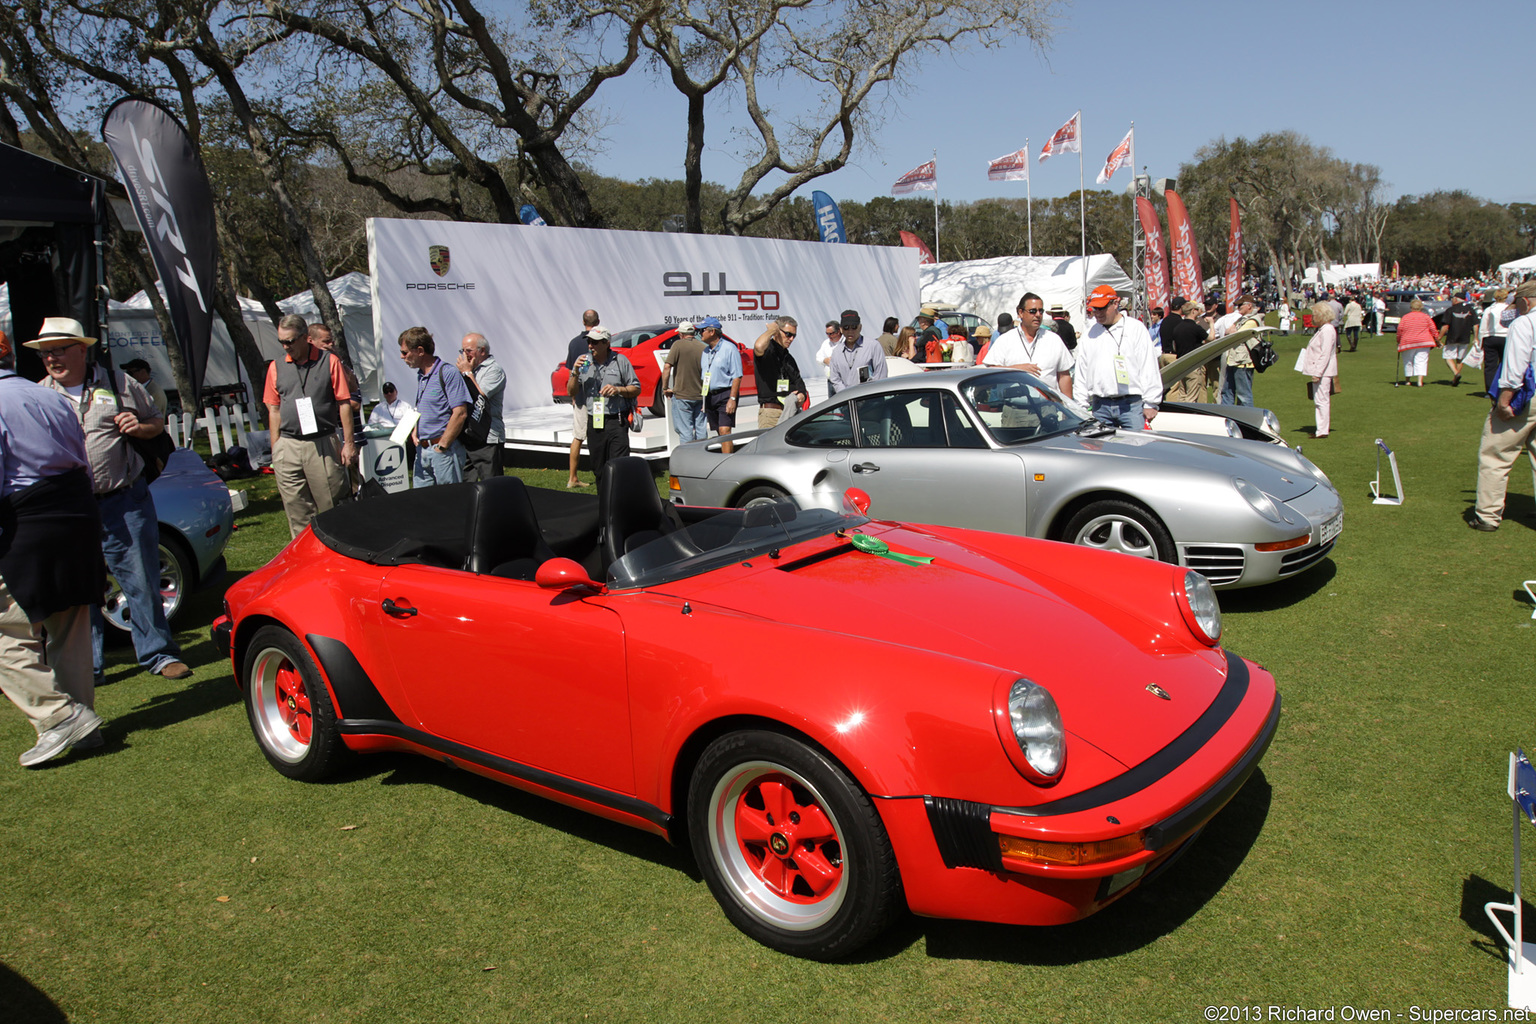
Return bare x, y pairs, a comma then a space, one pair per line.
866, 467
399, 611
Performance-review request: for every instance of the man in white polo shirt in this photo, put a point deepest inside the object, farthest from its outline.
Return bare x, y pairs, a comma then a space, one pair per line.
1116, 366
1033, 350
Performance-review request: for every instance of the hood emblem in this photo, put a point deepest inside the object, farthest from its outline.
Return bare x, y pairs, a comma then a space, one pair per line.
1158, 691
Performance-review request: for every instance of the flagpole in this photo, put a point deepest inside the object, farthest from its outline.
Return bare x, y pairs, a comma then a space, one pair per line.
935, 206
1082, 207
1029, 202
1145, 302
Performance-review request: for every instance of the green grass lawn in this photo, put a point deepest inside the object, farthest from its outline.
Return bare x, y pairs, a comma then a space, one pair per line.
174, 876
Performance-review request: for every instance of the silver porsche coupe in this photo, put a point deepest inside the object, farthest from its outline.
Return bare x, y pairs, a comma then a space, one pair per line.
997, 450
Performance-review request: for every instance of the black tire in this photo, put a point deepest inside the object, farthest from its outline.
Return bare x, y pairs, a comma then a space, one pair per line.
1121, 526
830, 835
176, 578
289, 708
762, 494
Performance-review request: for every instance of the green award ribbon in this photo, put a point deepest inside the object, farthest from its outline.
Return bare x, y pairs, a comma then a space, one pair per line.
876, 546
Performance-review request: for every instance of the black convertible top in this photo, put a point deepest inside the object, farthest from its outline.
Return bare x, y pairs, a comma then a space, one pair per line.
431, 525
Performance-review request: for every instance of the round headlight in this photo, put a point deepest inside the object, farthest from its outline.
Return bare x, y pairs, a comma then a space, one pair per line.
1258, 499
1201, 607
1271, 422
1037, 726
1233, 430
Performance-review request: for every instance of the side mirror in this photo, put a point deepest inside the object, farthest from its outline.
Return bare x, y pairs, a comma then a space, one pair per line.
563, 574
856, 501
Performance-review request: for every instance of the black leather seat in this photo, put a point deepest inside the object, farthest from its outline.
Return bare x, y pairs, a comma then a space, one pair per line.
502, 531
629, 508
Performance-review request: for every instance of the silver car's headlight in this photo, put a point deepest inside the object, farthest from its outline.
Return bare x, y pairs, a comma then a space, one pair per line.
1261, 502
1036, 725
1311, 467
1271, 422
1233, 430
1201, 610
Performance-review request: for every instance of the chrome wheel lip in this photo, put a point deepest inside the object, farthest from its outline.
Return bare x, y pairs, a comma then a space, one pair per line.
1126, 536
762, 501
743, 882
172, 590
266, 706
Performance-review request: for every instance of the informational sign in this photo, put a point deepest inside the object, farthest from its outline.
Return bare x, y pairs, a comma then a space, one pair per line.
526, 290
384, 461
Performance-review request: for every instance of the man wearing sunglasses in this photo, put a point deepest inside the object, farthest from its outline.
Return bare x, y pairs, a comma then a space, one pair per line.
1116, 365
777, 373
1029, 348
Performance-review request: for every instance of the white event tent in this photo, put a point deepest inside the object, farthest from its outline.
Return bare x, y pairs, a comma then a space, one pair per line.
1339, 273
354, 302
990, 287
1516, 267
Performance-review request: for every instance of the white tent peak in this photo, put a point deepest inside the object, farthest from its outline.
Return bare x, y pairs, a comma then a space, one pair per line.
350, 291
991, 286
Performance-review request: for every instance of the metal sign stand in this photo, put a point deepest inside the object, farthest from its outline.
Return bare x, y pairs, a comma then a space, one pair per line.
1522, 954
1397, 479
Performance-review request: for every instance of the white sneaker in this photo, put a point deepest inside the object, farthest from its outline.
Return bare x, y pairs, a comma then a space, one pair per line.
82, 721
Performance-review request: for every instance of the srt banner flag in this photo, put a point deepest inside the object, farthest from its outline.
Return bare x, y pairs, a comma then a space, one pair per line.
1155, 262
1234, 279
1117, 159
925, 177
828, 218
911, 241
174, 207
1182, 251
1066, 139
1013, 167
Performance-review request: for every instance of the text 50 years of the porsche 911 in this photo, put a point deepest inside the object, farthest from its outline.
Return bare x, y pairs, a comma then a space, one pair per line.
1029, 788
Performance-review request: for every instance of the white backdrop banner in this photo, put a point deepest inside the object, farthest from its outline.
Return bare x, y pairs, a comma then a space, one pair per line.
525, 289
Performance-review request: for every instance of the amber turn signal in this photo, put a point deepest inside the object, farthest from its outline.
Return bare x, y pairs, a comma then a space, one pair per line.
1039, 851
1284, 545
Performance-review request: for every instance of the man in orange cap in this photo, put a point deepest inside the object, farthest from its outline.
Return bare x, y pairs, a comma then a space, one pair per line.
1117, 366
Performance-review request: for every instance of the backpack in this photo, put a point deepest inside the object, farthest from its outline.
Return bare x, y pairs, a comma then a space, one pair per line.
477, 426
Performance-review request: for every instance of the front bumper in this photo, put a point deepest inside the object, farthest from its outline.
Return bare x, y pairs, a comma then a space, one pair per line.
952, 851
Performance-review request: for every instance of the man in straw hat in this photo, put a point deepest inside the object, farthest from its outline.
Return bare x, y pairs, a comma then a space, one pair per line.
130, 529
50, 566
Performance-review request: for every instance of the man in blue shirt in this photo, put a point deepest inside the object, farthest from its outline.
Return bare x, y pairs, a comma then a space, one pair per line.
443, 402
51, 569
608, 387
855, 360
721, 370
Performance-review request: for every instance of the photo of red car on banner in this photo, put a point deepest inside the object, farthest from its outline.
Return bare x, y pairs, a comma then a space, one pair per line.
639, 345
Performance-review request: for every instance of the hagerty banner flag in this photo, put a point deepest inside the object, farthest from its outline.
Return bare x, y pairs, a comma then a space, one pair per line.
828, 218
1118, 159
1013, 167
1066, 139
1182, 251
174, 206
1155, 262
924, 177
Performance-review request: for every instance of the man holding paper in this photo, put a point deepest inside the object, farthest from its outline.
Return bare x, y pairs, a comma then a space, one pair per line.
304, 393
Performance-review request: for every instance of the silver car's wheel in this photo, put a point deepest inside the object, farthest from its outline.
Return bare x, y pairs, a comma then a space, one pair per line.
760, 495
175, 571
1123, 527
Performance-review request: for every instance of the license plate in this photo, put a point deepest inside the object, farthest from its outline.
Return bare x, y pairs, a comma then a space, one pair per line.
1331, 529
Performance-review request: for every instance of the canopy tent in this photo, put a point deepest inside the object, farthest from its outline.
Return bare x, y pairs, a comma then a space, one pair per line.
1340, 273
354, 300
49, 216
134, 333
990, 287
1521, 266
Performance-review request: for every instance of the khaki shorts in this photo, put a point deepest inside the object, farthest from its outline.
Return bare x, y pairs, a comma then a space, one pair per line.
768, 417
579, 420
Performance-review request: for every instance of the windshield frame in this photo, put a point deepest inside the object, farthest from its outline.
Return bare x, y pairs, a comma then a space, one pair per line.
965, 388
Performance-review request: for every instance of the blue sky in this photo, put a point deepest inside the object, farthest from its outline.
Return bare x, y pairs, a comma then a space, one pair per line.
1419, 89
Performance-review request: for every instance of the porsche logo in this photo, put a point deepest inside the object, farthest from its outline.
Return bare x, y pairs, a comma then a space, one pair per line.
779, 843
438, 255
1158, 691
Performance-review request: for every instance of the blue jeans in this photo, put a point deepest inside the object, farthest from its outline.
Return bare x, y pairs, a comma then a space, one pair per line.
689, 420
435, 467
130, 540
1123, 411
1237, 389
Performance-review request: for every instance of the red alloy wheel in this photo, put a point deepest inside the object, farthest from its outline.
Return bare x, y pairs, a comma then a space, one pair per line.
293, 702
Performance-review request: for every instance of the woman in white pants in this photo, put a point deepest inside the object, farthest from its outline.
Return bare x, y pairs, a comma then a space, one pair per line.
1320, 361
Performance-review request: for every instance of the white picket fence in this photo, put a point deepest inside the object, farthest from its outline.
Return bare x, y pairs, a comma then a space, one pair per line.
226, 427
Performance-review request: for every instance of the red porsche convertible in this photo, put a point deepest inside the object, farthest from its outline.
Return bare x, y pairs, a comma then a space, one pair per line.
752, 682
639, 345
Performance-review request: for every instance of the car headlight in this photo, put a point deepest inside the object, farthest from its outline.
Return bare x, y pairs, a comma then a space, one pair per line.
1271, 422
1311, 467
1201, 610
1261, 502
1036, 723
1233, 430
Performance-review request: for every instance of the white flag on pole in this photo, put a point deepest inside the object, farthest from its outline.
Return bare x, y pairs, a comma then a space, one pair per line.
1066, 140
1117, 159
1013, 167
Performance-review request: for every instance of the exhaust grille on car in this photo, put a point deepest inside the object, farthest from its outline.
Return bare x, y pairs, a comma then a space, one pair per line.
1296, 561
963, 832
1218, 563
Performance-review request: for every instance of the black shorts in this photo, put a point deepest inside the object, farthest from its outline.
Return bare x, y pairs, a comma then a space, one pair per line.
715, 409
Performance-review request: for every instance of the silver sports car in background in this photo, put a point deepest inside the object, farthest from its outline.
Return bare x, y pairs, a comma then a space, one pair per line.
997, 450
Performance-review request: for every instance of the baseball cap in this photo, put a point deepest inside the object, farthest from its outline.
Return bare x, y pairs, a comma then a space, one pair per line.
600, 334
686, 327
850, 318
1101, 296
709, 323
